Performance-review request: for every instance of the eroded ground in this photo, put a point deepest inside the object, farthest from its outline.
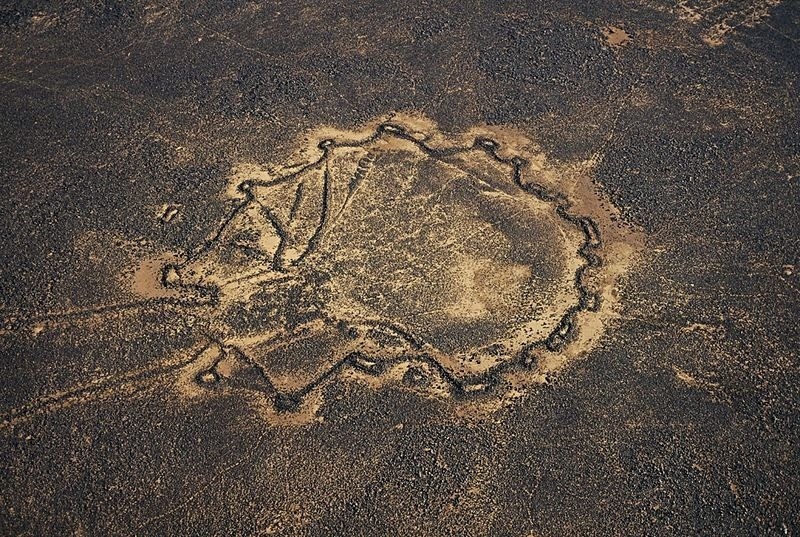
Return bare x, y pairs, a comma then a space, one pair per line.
371, 269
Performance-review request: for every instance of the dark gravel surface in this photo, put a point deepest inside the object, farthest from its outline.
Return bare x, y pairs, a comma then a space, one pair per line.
683, 421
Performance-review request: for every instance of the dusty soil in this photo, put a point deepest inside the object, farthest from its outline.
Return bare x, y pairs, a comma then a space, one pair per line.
398, 268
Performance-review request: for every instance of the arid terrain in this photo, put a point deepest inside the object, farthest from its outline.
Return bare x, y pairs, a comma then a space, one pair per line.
400, 268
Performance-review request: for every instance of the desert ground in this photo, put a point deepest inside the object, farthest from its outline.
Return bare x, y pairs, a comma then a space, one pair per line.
400, 268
